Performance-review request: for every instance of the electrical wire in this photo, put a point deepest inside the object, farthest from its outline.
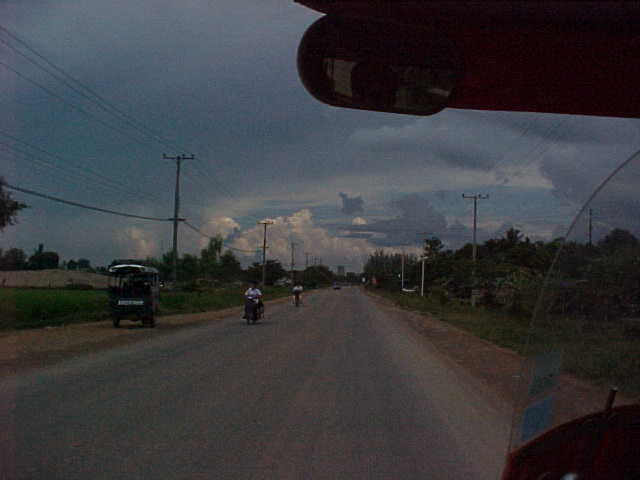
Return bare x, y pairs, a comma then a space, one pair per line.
83, 172
76, 204
94, 97
100, 101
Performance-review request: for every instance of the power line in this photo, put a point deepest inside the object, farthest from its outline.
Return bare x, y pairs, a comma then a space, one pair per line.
81, 205
72, 105
112, 183
97, 99
102, 122
78, 87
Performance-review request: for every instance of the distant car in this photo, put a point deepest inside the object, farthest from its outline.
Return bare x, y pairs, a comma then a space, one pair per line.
336, 286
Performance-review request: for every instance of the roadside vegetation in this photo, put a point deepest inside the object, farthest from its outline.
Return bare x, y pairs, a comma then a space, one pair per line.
590, 311
213, 280
33, 308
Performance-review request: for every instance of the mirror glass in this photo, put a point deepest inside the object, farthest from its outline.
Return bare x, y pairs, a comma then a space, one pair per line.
378, 66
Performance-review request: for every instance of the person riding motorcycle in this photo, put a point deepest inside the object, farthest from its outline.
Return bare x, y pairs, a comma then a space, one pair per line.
252, 293
297, 293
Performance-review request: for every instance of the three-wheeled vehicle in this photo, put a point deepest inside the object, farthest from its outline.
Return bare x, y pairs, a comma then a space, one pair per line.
134, 293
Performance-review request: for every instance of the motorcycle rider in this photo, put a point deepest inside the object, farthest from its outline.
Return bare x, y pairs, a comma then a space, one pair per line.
250, 294
297, 293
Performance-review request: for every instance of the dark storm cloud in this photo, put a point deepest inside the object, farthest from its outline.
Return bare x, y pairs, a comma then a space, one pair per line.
415, 216
357, 235
433, 139
575, 173
351, 205
218, 79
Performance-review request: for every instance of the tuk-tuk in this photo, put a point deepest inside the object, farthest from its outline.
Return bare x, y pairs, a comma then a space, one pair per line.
134, 293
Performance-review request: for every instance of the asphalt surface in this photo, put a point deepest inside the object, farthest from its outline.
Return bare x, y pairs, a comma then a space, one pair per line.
337, 388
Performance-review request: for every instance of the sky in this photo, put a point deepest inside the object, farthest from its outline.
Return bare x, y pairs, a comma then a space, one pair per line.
135, 79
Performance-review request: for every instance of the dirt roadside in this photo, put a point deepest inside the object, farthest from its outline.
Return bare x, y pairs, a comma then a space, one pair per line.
496, 369
27, 349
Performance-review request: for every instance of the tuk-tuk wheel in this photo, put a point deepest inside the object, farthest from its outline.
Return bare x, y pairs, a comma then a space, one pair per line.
116, 322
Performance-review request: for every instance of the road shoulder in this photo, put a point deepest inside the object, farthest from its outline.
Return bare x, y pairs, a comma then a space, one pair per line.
22, 350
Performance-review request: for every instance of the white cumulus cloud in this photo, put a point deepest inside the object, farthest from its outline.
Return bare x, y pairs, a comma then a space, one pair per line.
138, 243
308, 238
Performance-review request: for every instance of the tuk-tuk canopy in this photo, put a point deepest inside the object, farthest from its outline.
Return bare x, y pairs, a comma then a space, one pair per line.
127, 269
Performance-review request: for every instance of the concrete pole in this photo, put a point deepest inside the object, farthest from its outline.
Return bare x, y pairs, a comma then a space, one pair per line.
422, 286
264, 251
176, 210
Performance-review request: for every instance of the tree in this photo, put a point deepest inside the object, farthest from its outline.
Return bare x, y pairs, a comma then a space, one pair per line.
317, 275
13, 259
274, 272
210, 258
432, 248
188, 267
84, 264
9, 208
72, 265
230, 268
618, 239
41, 260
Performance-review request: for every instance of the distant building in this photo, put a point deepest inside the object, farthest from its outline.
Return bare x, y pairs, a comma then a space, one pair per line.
341, 270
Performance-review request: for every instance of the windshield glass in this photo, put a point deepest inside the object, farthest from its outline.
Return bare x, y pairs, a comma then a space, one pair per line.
582, 347
470, 279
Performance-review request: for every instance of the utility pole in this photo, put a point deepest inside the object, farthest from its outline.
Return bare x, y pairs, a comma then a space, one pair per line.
590, 226
402, 270
475, 220
176, 210
475, 198
423, 259
264, 250
293, 246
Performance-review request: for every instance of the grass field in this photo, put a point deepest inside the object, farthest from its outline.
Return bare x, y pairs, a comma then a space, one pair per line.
34, 308
602, 352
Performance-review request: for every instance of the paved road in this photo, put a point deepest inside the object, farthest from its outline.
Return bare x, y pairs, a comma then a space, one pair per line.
337, 388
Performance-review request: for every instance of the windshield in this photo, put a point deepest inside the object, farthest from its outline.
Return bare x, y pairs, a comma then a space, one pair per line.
470, 279
582, 343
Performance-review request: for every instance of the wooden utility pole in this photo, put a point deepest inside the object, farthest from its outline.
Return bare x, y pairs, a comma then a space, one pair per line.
590, 226
293, 246
475, 198
176, 210
402, 271
475, 219
423, 259
264, 251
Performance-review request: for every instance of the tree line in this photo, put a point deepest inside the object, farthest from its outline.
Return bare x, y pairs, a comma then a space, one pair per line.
212, 265
601, 279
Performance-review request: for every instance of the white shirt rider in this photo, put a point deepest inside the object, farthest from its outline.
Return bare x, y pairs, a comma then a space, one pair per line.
253, 292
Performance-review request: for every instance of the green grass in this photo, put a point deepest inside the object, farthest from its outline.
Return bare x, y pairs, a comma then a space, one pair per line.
34, 308
603, 353
218, 299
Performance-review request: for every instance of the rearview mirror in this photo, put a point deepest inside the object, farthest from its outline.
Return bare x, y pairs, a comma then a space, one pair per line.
386, 67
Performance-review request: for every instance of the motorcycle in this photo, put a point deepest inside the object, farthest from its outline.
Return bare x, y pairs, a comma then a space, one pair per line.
252, 310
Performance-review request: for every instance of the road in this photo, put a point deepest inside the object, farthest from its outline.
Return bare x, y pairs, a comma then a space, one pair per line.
338, 388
